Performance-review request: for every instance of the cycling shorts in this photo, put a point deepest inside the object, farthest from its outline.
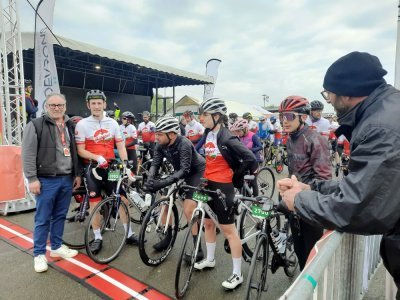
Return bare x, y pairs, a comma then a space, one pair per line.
227, 216
193, 180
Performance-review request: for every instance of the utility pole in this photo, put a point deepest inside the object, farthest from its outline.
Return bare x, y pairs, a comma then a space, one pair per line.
266, 97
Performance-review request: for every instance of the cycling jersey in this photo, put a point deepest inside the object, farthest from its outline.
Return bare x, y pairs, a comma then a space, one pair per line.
130, 134
147, 131
253, 126
98, 136
332, 128
263, 130
276, 138
251, 141
217, 168
322, 126
194, 130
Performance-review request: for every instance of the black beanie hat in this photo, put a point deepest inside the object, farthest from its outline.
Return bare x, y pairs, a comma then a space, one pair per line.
355, 74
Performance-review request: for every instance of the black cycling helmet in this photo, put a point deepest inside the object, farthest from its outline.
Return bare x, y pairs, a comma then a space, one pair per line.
247, 116
233, 116
95, 94
28, 82
317, 105
128, 114
110, 113
145, 113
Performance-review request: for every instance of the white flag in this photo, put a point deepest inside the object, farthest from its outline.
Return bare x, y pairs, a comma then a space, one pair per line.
211, 71
46, 78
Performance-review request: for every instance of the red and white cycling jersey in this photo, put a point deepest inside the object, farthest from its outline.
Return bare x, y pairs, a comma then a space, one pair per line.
253, 126
130, 134
148, 131
98, 136
194, 130
322, 126
332, 128
343, 142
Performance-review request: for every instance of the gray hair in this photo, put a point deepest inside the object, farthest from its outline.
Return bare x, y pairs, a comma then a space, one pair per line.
62, 96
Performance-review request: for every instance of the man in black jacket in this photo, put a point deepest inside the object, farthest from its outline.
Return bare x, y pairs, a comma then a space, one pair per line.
366, 201
51, 166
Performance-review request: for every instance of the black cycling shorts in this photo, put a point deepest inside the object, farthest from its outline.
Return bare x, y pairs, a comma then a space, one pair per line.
193, 180
227, 216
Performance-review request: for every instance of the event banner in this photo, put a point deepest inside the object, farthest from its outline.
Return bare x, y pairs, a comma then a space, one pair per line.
46, 79
211, 71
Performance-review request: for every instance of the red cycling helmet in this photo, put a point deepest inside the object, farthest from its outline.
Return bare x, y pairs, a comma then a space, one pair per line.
295, 103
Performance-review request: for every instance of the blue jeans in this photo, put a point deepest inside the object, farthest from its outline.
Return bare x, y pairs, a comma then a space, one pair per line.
51, 209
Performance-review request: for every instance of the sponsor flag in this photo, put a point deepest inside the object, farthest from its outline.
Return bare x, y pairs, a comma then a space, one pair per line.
211, 71
46, 78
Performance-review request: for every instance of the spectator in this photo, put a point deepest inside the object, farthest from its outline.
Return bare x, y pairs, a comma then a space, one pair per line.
31, 105
366, 200
51, 166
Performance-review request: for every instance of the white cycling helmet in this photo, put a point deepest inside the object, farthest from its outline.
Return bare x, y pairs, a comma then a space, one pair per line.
167, 124
212, 106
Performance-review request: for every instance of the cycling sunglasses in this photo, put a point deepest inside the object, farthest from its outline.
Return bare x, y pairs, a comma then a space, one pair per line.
288, 116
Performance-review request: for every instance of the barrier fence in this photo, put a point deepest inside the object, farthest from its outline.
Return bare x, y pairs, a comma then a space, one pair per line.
340, 267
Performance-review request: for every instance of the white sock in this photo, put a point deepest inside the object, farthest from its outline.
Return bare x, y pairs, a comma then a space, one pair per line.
130, 232
237, 265
211, 251
97, 234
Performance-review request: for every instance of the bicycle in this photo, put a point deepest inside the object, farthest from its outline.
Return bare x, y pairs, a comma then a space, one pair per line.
271, 240
162, 218
109, 214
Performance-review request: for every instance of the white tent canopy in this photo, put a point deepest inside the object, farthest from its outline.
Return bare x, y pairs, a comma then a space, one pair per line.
240, 108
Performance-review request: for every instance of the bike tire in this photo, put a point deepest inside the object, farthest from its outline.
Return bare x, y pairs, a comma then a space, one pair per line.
74, 230
113, 232
258, 271
266, 182
150, 234
184, 270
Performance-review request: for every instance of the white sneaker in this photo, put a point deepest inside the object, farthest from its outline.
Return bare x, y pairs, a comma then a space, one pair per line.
233, 281
63, 252
204, 264
40, 262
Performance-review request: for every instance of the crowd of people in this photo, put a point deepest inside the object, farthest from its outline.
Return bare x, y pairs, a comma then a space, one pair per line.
222, 148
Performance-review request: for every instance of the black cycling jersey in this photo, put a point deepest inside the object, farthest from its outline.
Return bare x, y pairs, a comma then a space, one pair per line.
183, 157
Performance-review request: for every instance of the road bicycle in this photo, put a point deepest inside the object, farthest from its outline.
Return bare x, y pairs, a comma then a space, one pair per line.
271, 241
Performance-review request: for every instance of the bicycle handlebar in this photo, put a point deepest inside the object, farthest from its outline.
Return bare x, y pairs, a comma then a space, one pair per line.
201, 188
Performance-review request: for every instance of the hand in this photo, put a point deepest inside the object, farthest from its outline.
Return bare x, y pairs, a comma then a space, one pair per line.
34, 187
102, 162
288, 183
289, 195
77, 182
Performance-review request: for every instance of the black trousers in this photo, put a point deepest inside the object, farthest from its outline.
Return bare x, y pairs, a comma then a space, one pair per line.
390, 252
305, 236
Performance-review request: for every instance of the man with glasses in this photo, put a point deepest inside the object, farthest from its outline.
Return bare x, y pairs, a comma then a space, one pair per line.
366, 201
308, 159
51, 166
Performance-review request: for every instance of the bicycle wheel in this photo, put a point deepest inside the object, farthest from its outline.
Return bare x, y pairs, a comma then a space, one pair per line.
279, 163
110, 221
153, 231
250, 227
184, 270
266, 182
74, 229
257, 277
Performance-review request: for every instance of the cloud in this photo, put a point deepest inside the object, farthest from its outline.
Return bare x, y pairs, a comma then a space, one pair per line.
277, 48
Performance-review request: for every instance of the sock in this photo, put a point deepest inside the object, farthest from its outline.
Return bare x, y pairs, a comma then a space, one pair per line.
211, 251
130, 232
237, 265
97, 234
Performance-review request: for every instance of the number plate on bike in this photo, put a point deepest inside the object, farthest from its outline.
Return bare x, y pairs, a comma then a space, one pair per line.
200, 197
113, 175
258, 212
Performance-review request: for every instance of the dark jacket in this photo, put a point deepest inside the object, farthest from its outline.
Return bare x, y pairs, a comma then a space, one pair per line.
366, 201
308, 156
39, 148
181, 154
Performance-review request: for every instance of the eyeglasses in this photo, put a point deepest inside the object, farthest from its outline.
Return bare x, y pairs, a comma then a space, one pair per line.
325, 95
288, 116
53, 106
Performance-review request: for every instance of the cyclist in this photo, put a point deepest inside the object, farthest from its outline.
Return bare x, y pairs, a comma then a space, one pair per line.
316, 121
263, 129
193, 129
248, 138
252, 125
227, 160
333, 125
187, 163
233, 117
275, 131
130, 134
95, 137
146, 130
308, 159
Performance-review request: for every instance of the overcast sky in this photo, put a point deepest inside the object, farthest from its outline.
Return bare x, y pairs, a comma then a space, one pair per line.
278, 48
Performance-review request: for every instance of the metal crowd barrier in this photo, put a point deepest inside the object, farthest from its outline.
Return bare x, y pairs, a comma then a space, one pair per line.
339, 267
